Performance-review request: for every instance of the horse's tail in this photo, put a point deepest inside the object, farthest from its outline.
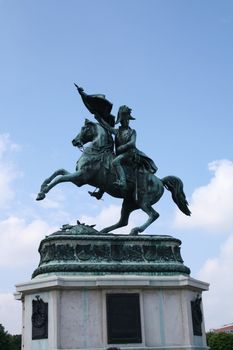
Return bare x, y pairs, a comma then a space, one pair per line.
175, 186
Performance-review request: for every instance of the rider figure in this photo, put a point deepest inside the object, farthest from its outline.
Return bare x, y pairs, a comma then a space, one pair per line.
125, 143
125, 146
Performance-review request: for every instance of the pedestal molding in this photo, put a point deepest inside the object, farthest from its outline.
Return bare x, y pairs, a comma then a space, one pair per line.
70, 282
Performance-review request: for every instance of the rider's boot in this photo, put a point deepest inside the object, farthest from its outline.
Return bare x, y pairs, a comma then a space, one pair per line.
97, 195
121, 181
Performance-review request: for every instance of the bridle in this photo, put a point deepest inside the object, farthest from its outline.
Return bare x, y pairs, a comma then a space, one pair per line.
96, 151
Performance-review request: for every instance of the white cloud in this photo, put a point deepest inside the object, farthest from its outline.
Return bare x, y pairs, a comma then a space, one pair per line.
55, 200
106, 217
6, 144
111, 215
19, 241
212, 205
10, 311
218, 301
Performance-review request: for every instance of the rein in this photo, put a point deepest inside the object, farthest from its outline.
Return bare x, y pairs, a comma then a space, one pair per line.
97, 151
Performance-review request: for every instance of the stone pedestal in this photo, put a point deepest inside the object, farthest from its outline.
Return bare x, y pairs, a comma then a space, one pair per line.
105, 290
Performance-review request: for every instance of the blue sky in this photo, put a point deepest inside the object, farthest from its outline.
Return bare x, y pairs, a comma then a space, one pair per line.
171, 62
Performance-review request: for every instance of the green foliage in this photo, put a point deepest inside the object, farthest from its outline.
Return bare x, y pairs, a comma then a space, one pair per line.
4, 339
8, 341
208, 336
16, 342
220, 341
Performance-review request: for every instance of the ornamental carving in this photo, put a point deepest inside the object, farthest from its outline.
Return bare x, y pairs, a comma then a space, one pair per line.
197, 315
110, 254
39, 319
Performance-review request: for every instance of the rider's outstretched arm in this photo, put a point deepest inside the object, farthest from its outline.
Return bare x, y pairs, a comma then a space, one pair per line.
105, 125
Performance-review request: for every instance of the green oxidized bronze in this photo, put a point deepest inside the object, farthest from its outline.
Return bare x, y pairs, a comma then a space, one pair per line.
116, 166
71, 251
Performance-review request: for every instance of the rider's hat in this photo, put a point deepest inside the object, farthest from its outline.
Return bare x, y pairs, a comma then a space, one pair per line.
124, 112
98, 105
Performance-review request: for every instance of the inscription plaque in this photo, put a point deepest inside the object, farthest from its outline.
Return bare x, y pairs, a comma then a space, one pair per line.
123, 318
39, 319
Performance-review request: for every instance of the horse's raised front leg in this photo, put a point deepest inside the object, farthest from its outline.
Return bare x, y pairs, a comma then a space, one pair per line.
76, 178
43, 188
55, 174
126, 210
153, 215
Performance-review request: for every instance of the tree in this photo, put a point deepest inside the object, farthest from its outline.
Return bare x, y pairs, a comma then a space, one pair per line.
220, 341
16, 342
5, 340
8, 341
208, 336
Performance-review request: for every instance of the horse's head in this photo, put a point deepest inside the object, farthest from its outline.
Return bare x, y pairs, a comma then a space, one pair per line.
87, 134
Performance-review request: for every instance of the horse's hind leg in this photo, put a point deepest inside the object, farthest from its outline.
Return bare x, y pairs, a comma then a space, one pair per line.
153, 215
126, 210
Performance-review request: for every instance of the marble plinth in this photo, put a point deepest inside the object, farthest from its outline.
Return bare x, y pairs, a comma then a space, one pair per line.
77, 316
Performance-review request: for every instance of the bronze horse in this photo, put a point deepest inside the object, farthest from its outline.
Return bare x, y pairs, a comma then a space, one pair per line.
95, 168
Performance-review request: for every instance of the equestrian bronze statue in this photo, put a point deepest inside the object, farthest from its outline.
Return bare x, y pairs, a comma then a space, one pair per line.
116, 166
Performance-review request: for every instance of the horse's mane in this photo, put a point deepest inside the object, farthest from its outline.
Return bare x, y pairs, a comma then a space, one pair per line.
105, 138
